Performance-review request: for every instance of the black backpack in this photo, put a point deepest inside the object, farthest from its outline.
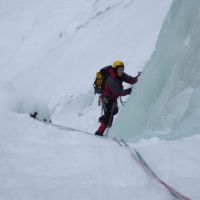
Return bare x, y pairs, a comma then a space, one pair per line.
100, 79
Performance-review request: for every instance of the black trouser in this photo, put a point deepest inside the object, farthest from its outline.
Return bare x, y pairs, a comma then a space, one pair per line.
110, 109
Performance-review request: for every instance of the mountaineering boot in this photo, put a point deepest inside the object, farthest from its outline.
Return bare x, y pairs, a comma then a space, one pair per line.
101, 129
97, 133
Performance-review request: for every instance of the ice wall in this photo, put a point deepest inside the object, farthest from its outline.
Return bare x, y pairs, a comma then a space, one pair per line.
166, 101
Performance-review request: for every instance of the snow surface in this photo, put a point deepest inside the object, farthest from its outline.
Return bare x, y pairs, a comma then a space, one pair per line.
49, 54
42, 162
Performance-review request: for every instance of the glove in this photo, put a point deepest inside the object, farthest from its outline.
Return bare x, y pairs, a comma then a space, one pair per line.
129, 90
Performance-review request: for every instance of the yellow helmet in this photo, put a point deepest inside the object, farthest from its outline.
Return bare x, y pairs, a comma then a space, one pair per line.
117, 64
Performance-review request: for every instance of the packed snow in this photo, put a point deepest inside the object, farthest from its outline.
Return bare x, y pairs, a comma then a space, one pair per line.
50, 52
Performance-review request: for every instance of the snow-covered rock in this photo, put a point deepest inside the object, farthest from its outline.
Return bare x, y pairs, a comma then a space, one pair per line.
14, 101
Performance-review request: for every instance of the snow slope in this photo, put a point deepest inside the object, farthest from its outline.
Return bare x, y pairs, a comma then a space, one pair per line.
64, 40
41, 162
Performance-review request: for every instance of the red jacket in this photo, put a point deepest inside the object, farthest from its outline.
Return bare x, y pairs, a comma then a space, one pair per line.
113, 87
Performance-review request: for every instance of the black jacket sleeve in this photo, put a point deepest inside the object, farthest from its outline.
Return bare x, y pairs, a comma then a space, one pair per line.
116, 89
129, 79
